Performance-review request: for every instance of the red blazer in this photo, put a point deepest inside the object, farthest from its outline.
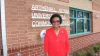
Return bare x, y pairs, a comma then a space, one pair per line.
56, 45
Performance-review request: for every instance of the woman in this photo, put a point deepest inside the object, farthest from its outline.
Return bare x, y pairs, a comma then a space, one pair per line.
56, 41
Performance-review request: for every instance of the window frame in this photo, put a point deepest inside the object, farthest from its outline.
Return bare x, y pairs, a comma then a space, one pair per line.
76, 18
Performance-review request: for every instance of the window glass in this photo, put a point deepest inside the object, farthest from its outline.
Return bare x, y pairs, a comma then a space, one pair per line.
86, 15
79, 14
87, 25
80, 25
72, 26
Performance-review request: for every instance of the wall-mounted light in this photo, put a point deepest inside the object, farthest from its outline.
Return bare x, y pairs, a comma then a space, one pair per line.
97, 16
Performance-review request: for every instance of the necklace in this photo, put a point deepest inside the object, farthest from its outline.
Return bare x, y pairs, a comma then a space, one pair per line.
56, 31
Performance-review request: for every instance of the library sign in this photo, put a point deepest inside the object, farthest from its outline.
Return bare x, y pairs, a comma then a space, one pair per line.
41, 13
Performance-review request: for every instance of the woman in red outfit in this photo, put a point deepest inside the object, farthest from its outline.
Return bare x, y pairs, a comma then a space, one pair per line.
56, 41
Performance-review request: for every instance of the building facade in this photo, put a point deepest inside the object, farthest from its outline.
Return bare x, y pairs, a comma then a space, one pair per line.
23, 20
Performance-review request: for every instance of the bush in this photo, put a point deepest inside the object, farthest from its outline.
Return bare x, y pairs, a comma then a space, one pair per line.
88, 52
80, 53
96, 48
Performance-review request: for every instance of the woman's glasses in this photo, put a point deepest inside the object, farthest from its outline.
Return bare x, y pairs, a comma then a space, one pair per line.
55, 21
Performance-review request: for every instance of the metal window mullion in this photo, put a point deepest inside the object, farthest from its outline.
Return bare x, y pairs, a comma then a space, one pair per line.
84, 21
89, 22
76, 21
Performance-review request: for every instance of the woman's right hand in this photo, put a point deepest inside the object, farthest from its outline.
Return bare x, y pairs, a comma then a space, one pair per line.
46, 54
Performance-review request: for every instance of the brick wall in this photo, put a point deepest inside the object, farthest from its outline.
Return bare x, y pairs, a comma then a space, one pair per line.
22, 38
60, 2
96, 21
96, 6
84, 41
25, 40
76, 43
20, 34
96, 16
34, 50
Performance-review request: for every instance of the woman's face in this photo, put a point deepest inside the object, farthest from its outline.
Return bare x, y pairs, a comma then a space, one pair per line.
56, 22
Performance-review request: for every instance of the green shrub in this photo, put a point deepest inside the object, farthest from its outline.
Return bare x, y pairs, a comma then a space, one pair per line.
88, 51
96, 48
80, 53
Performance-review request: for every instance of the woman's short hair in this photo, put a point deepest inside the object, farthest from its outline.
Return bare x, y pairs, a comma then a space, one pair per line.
56, 15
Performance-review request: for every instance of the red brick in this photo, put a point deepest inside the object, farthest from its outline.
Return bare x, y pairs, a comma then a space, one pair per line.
20, 33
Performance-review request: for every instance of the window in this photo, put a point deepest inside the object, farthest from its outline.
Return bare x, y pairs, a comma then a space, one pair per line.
79, 21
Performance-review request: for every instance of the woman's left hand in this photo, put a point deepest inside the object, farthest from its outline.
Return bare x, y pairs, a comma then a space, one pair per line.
68, 54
